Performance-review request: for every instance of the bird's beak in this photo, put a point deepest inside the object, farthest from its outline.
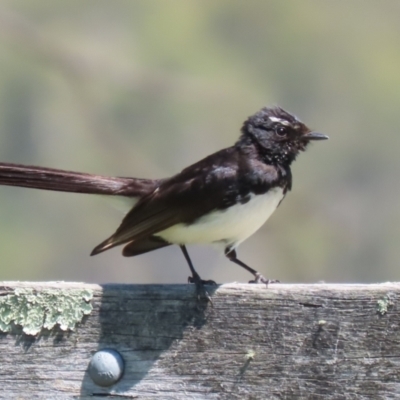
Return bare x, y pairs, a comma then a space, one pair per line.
315, 136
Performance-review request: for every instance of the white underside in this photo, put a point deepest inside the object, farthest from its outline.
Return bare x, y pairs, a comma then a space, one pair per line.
228, 227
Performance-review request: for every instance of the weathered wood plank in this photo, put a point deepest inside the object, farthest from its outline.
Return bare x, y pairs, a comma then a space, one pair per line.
287, 341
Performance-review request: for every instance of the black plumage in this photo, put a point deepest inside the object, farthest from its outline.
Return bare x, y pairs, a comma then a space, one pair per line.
221, 199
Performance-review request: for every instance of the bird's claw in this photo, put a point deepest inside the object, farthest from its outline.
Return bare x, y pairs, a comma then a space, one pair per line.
260, 279
197, 280
200, 289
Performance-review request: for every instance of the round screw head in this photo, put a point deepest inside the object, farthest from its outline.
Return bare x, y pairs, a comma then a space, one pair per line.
106, 367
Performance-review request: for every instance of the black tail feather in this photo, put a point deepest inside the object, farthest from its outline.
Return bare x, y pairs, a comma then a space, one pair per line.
75, 182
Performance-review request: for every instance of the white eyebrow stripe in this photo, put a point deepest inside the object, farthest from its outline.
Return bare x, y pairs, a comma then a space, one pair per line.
281, 121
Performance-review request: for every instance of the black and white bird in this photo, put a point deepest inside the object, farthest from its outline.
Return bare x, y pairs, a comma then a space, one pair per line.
222, 199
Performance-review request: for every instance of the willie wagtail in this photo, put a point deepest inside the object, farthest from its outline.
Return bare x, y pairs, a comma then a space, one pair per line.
222, 199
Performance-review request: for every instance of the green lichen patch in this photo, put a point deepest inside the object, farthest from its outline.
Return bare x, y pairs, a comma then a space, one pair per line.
34, 310
250, 354
383, 305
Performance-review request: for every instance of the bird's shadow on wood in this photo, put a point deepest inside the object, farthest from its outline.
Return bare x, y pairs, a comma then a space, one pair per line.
141, 322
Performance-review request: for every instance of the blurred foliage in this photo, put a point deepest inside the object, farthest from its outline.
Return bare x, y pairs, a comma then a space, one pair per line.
144, 88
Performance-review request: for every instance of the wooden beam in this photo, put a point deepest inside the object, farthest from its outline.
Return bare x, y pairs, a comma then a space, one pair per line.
286, 341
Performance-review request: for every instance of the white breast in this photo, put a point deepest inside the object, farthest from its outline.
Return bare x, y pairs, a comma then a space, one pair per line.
231, 226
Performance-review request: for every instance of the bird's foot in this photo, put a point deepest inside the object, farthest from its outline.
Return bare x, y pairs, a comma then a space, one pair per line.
200, 286
197, 280
260, 279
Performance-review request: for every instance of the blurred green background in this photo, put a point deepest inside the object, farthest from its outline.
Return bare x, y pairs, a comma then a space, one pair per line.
144, 88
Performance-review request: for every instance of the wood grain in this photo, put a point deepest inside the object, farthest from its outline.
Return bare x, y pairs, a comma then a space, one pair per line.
282, 342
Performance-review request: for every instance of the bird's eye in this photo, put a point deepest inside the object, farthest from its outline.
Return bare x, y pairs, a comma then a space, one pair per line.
281, 131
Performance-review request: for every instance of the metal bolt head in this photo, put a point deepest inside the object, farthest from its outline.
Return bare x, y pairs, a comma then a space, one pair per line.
106, 367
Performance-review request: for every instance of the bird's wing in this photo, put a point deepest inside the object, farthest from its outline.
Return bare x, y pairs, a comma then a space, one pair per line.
181, 199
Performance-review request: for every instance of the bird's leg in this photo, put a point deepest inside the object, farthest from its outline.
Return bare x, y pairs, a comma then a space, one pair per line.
195, 278
258, 278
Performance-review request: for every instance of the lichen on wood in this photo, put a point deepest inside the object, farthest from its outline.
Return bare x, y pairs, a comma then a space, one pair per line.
34, 310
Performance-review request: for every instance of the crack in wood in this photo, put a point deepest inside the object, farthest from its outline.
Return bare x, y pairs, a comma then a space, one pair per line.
311, 305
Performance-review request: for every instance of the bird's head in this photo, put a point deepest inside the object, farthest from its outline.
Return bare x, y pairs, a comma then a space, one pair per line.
278, 135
